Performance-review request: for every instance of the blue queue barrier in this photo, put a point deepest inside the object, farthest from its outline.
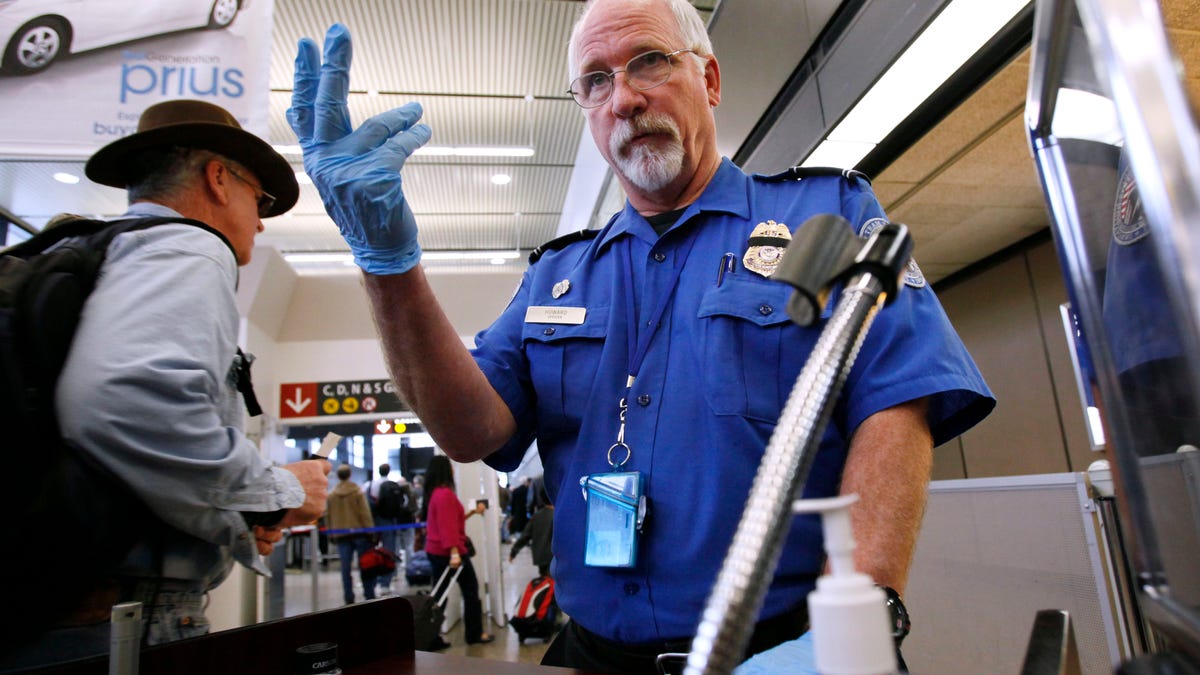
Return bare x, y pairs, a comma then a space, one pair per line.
274, 606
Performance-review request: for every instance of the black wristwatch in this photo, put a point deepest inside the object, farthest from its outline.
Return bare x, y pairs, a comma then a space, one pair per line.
898, 614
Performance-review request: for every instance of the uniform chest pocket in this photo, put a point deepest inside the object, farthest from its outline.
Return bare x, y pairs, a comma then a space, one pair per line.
563, 359
751, 352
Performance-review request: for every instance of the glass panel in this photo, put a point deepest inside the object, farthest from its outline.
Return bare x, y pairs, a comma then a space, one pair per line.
1118, 151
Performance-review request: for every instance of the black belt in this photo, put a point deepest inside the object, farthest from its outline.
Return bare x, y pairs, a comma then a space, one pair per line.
645, 650
767, 633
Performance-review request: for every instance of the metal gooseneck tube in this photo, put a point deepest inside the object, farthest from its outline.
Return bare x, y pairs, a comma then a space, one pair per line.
824, 252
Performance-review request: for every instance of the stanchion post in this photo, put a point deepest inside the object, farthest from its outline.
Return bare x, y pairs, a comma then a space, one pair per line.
314, 543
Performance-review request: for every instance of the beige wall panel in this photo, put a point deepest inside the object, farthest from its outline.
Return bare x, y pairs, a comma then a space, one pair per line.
335, 307
328, 308
997, 318
948, 461
1050, 292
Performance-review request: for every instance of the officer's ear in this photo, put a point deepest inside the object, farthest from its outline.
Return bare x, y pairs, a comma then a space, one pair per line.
712, 80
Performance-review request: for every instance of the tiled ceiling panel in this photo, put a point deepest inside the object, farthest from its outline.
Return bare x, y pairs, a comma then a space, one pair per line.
551, 127
480, 47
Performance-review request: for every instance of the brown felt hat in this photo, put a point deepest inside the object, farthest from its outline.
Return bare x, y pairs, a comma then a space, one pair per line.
196, 124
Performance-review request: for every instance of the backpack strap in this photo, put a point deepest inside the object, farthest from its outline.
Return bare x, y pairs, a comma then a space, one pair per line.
98, 234
101, 232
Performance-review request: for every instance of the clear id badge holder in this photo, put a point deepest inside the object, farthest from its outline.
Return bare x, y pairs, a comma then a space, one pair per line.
616, 509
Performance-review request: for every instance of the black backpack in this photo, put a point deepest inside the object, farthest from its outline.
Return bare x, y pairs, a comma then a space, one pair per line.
69, 522
391, 500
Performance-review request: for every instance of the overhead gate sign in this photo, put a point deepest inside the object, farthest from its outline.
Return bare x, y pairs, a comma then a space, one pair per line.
316, 399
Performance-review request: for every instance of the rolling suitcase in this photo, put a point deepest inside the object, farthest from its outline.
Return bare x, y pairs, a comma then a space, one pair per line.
537, 613
429, 610
418, 571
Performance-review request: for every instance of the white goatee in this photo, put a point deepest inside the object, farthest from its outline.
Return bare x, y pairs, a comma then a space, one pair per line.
650, 167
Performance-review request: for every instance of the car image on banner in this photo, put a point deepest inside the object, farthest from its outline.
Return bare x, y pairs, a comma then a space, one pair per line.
37, 32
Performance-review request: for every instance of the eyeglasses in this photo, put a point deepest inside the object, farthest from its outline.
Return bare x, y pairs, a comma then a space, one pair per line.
265, 199
645, 71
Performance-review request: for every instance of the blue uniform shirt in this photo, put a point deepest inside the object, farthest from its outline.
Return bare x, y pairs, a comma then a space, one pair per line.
717, 372
1137, 315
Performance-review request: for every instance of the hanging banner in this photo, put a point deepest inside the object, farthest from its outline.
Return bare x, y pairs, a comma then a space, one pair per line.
76, 80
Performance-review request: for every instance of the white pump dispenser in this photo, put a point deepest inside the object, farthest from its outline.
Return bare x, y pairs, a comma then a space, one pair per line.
847, 611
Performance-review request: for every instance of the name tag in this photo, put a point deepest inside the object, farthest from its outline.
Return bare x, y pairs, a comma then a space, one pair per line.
567, 315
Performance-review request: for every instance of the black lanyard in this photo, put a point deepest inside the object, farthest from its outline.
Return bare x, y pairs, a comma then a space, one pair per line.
639, 340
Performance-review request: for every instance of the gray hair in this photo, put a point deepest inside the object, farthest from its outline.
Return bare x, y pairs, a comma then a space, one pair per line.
168, 172
691, 28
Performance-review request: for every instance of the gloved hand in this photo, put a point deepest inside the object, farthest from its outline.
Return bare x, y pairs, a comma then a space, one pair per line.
356, 171
795, 657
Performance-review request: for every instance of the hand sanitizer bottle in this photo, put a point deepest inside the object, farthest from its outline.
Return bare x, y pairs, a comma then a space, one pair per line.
125, 639
847, 611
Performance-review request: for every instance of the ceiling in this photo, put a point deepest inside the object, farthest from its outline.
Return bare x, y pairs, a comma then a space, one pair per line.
492, 72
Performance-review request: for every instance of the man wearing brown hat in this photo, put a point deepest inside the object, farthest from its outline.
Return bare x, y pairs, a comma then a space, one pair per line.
148, 390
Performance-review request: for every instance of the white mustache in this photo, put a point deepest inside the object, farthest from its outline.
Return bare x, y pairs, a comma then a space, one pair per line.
647, 123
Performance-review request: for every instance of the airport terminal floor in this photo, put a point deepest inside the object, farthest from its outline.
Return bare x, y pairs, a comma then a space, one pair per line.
506, 647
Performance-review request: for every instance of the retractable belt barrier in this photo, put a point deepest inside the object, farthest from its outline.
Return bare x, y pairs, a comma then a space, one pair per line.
312, 531
368, 530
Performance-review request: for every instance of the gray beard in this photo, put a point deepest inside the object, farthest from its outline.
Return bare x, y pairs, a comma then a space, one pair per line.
649, 168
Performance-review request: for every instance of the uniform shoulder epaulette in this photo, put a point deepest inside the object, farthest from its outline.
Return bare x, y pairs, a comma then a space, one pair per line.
802, 172
562, 242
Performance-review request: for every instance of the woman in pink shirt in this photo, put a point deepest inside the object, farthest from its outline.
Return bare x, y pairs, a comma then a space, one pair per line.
446, 542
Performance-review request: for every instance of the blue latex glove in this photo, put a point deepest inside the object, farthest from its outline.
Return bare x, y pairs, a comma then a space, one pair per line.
356, 171
795, 658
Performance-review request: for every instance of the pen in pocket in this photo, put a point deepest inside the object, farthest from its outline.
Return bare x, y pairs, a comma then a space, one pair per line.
727, 266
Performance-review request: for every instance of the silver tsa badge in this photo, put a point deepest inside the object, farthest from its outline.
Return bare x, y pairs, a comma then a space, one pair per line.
767, 244
560, 289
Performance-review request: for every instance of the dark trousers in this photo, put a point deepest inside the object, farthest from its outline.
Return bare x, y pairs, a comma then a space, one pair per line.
577, 647
349, 547
469, 585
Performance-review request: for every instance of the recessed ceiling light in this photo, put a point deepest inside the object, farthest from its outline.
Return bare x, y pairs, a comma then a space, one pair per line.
501, 179
469, 255
475, 151
444, 150
336, 257
319, 257
68, 178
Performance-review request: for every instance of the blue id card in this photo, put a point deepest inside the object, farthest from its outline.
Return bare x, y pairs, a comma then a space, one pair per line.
616, 509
